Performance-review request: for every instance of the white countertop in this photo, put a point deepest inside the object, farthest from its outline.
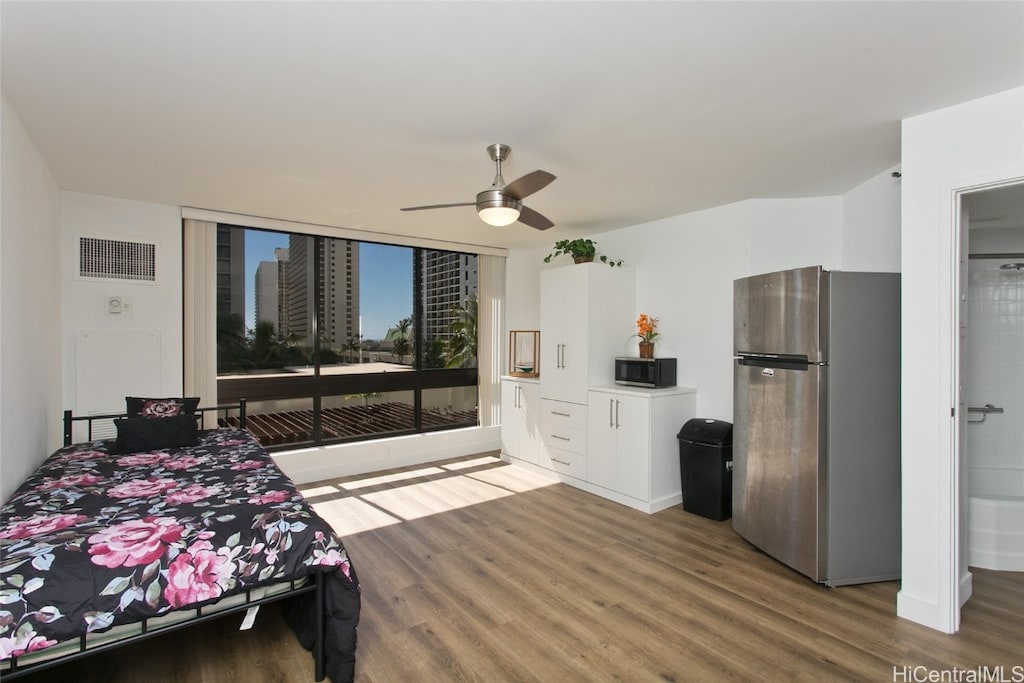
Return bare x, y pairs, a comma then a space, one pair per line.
618, 388
643, 391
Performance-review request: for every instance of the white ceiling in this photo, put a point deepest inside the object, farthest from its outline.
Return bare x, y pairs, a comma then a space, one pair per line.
339, 113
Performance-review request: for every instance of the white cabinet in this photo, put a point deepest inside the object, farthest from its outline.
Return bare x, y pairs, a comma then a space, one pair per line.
619, 427
563, 436
586, 316
633, 450
520, 406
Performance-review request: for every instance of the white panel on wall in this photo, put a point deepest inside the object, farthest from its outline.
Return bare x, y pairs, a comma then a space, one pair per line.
111, 364
155, 305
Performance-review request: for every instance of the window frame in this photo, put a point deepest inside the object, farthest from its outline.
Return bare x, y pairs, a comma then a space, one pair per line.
318, 386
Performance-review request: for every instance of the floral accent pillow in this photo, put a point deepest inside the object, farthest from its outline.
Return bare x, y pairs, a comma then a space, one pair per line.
160, 407
138, 434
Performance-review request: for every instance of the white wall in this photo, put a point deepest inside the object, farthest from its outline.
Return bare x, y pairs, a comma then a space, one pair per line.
29, 305
871, 225
965, 146
120, 364
686, 265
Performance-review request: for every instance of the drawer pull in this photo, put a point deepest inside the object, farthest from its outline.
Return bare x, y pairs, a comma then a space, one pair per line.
561, 462
555, 412
561, 438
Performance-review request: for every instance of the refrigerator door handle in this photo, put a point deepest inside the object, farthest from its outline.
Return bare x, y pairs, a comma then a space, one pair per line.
776, 362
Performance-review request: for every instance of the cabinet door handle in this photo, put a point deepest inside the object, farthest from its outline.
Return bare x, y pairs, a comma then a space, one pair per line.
518, 403
555, 412
561, 438
611, 421
560, 462
616, 414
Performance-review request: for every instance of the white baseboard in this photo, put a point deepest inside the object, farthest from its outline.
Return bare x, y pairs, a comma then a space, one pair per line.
966, 587
622, 499
925, 612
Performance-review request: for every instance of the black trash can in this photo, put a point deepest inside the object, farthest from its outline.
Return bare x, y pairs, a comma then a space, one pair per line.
705, 464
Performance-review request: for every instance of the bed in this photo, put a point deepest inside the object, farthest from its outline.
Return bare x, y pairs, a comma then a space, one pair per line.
113, 540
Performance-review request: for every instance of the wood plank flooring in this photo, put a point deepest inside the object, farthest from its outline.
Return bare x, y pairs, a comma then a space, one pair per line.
473, 570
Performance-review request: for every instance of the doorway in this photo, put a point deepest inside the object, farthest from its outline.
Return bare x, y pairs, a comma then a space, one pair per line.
992, 381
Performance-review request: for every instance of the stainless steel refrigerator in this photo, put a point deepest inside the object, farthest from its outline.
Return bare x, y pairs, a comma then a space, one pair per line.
816, 435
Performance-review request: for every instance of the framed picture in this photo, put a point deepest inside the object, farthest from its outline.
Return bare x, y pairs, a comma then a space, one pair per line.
524, 353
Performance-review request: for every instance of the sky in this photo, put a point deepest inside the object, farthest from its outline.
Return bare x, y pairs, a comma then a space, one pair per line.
385, 280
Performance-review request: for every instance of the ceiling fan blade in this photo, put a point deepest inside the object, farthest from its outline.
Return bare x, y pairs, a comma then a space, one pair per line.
534, 219
437, 206
528, 184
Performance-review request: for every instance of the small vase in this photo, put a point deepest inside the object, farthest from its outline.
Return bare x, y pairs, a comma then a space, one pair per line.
646, 349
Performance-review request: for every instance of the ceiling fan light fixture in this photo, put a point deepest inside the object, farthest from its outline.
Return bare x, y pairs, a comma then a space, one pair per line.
499, 215
496, 209
502, 203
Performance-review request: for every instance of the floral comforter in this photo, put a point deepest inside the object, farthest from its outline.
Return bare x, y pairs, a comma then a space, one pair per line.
95, 539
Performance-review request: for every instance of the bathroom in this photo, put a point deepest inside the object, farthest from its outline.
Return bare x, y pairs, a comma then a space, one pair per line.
994, 375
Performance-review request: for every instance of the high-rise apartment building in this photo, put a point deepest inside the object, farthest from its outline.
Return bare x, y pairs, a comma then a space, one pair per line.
338, 297
230, 271
270, 290
449, 279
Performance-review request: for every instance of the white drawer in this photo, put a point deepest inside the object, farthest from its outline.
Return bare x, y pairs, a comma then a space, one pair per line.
568, 463
564, 438
571, 415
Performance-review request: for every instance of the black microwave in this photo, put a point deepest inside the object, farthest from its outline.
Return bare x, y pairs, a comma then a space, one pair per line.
645, 372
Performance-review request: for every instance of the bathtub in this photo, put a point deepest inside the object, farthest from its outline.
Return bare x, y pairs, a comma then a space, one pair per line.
995, 520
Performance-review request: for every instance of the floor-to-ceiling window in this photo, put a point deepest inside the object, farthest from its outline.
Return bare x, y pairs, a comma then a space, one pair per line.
339, 339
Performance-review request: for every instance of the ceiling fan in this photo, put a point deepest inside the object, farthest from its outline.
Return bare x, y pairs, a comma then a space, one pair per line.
502, 204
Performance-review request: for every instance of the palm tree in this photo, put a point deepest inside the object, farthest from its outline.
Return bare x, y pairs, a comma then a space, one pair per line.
351, 347
232, 345
265, 346
401, 345
433, 354
403, 326
401, 348
463, 329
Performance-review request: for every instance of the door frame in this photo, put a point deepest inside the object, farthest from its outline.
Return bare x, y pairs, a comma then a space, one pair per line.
957, 578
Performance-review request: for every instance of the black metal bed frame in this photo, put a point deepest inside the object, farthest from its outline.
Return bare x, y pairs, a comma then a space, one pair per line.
70, 420
15, 670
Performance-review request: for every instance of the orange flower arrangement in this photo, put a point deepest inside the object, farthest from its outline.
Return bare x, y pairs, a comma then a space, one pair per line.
646, 327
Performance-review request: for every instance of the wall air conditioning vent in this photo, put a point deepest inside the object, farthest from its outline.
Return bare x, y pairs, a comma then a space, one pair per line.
116, 259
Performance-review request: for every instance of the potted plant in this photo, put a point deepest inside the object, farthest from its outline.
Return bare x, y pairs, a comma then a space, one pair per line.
582, 251
647, 331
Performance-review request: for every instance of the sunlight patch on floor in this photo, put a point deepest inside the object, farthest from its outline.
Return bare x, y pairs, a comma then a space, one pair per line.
355, 504
319, 489
431, 497
513, 478
389, 478
470, 463
351, 515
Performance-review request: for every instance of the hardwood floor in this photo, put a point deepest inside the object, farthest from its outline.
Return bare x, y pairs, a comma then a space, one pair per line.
473, 570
